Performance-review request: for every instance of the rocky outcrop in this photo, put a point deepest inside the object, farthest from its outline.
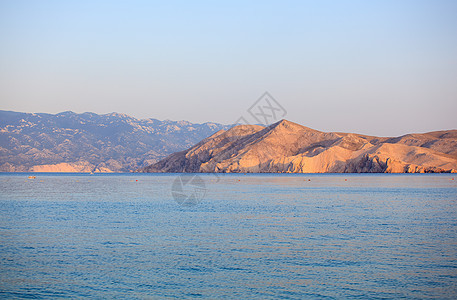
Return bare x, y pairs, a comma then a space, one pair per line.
77, 167
286, 147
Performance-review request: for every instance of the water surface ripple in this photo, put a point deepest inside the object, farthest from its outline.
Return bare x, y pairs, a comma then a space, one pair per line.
304, 236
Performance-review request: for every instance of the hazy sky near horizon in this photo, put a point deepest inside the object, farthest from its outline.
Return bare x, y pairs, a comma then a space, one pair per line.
374, 67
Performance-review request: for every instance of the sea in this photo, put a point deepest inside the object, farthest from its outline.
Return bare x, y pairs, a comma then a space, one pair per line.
228, 236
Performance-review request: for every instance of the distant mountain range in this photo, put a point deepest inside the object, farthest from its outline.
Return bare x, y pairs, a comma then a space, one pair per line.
286, 147
88, 142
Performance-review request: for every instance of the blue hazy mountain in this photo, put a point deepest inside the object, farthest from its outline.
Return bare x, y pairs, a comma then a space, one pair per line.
88, 142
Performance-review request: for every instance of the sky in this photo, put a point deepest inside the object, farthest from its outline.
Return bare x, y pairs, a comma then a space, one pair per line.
383, 68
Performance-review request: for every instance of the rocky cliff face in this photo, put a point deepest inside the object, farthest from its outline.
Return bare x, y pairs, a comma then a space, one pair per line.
286, 147
88, 142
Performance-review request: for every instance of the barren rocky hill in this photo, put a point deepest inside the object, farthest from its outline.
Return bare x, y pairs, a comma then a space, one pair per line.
289, 147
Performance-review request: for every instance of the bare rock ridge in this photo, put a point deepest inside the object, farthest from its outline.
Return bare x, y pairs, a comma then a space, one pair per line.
287, 147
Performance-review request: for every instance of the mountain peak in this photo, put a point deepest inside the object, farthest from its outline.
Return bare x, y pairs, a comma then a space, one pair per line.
66, 113
291, 126
117, 115
283, 122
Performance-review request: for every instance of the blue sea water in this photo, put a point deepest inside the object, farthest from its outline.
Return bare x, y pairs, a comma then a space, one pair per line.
280, 236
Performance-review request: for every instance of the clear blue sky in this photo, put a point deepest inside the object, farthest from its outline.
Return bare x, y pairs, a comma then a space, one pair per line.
375, 67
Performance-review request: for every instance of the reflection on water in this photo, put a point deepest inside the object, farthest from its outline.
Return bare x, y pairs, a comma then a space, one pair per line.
252, 236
